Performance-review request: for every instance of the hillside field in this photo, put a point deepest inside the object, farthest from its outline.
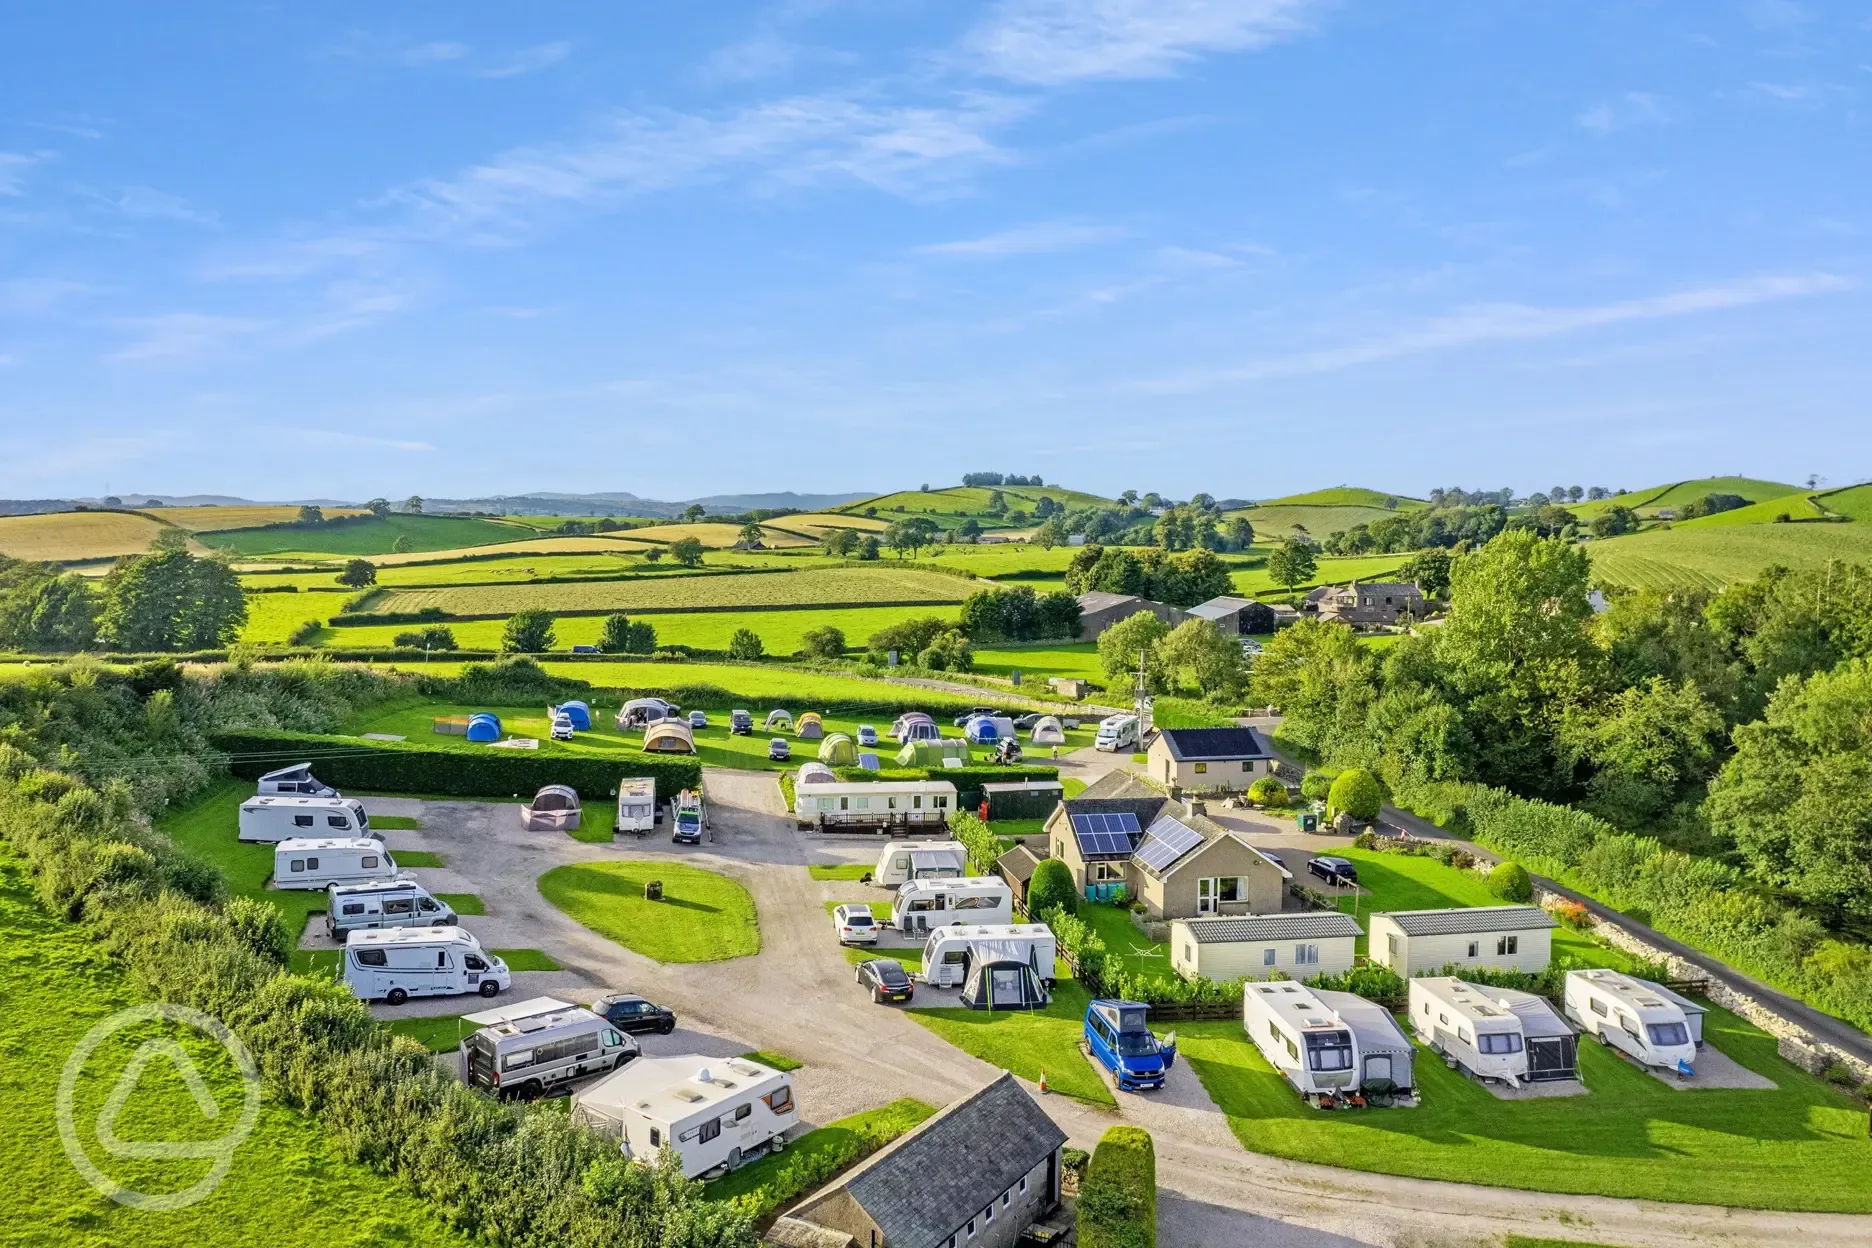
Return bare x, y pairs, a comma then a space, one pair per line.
780, 631
219, 519
1283, 520
65, 536
1709, 558
1346, 496
815, 587
962, 502
713, 534
1648, 501
365, 537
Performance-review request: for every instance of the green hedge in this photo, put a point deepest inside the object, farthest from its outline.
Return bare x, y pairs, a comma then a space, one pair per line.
452, 770
1118, 1196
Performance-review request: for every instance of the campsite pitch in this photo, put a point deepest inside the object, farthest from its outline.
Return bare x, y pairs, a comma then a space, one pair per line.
703, 917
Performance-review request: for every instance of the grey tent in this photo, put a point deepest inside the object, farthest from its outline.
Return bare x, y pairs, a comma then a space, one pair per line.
1385, 1053
554, 808
1003, 983
1047, 731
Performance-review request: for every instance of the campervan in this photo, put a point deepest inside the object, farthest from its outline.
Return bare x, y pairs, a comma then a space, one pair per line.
876, 806
636, 808
307, 863
281, 817
1644, 1020
403, 962
390, 903
528, 1049
711, 1111
295, 781
1118, 1039
1117, 732
951, 951
1301, 1037
903, 861
1465, 1024
740, 723
977, 900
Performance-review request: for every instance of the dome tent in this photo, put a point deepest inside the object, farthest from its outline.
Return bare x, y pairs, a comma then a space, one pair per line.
932, 753
554, 808
809, 727
837, 750
671, 736
578, 712
901, 729
815, 773
783, 719
982, 730
1004, 983
483, 728
1047, 731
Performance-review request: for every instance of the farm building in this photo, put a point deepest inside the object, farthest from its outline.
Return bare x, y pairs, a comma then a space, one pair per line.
1507, 938
1205, 759
1237, 617
1255, 946
1098, 611
1367, 606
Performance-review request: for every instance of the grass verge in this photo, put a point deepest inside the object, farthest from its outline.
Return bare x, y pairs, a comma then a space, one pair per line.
465, 904
846, 872
703, 917
1029, 1042
779, 1061
417, 858
765, 1187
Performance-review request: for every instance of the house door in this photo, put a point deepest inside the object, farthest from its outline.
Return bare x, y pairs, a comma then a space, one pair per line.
1205, 896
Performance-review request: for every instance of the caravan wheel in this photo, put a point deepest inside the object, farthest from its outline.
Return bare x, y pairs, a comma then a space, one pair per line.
734, 1159
396, 996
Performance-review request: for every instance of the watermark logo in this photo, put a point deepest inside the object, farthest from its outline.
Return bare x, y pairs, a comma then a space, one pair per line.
220, 1151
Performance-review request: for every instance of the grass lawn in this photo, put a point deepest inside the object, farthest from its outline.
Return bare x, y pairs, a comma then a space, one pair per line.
288, 1186
466, 904
1124, 941
600, 833
441, 1033
779, 1061
847, 872
776, 1181
703, 917
910, 959
209, 828
416, 857
1800, 1146
1029, 1043
395, 823
1036, 663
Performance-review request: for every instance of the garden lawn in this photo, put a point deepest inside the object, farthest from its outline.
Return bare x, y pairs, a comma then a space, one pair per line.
416, 857
1124, 941
1029, 1042
703, 917
1801, 1146
768, 1185
910, 959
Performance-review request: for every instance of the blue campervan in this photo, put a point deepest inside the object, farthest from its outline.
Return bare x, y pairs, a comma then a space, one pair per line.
1118, 1040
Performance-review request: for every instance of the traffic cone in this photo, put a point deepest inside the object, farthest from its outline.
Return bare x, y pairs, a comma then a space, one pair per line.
1043, 1083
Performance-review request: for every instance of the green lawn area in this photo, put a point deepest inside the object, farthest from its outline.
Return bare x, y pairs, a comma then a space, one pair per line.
288, 1186
1036, 663
367, 537
416, 857
846, 872
599, 832
703, 917
1124, 941
395, 823
779, 1061
777, 1180
910, 959
1029, 1043
1800, 1146
466, 904
209, 828
441, 1033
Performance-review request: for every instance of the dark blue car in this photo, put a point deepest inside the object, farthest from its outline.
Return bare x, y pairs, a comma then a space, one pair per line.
1119, 1040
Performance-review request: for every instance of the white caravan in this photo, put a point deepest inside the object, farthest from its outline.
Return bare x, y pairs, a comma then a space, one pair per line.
1117, 732
297, 780
1301, 1036
951, 951
711, 1111
403, 962
529, 1049
903, 861
977, 900
636, 810
1646, 1021
320, 863
280, 818
393, 903
1467, 1025
875, 806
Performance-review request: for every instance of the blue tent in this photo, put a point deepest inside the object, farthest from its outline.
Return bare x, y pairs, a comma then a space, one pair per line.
578, 712
484, 728
982, 731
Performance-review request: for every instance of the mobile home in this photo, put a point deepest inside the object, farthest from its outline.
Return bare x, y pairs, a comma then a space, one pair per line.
403, 962
711, 1111
282, 817
296, 780
951, 951
1297, 945
390, 903
308, 863
903, 861
977, 900
876, 806
529, 1049
1504, 938
636, 807
1644, 1020
1117, 732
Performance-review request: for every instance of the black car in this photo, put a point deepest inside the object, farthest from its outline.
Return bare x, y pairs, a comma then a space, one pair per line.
629, 1012
1026, 722
972, 712
1334, 870
886, 980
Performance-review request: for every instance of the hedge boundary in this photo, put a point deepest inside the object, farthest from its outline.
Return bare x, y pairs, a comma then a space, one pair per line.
360, 620
1118, 1195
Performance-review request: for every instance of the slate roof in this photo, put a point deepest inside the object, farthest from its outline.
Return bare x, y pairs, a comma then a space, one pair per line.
1207, 744
922, 1188
1473, 919
1300, 925
1099, 600
1017, 864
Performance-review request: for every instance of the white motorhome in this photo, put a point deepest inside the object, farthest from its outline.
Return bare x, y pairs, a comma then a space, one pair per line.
1301, 1036
977, 900
636, 807
281, 817
532, 1047
711, 1111
391, 903
297, 780
305, 862
1117, 732
903, 861
398, 963
951, 951
876, 806
1644, 1020
1468, 1026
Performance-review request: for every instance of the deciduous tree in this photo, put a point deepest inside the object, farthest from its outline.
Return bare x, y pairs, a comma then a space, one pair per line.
528, 632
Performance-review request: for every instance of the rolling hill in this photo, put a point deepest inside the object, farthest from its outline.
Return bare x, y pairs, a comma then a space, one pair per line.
1647, 502
1321, 513
71, 536
1708, 557
967, 502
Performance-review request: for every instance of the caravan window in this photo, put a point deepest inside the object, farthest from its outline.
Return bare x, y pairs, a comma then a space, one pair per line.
311, 864
514, 1061
302, 821
955, 957
1475, 948
781, 1101
442, 962
656, 1138
370, 862
1668, 1033
474, 963
1596, 1005
404, 906
1508, 944
916, 802
941, 801
711, 1129
1269, 955
353, 907
1306, 955
901, 862
337, 821
975, 903
372, 957
1499, 1042
742, 1111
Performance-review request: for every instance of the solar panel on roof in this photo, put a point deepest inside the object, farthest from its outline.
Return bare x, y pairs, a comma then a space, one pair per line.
1166, 842
1097, 835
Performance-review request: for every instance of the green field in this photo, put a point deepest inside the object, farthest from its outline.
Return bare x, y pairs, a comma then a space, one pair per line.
1802, 1145
1853, 500
778, 1179
810, 588
289, 1185
1320, 521
520, 568
1346, 496
1793, 506
1253, 582
1695, 557
958, 503
366, 537
1648, 501
1028, 1043
1036, 663
272, 618
209, 828
703, 917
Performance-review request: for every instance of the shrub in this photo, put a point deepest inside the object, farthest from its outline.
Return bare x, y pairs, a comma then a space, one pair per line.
1118, 1196
1269, 792
745, 644
528, 632
1355, 793
1371, 981
1051, 888
823, 643
435, 637
1316, 786
1510, 881
305, 634
358, 573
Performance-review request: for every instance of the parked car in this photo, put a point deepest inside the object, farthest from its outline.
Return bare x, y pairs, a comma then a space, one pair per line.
630, 1013
867, 735
1026, 722
972, 712
886, 980
778, 751
562, 728
1334, 870
698, 719
855, 924
741, 723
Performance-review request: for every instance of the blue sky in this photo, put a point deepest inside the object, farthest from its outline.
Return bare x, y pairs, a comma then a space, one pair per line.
1242, 246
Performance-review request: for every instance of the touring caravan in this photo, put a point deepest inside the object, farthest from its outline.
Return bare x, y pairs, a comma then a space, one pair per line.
392, 903
294, 781
530, 1048
1465, 1024
1644, 1020
1311, 1037
903, 861
636, 808
403, 962
281, 817
1117, 732
951, 951
977, 900
876, 806
711, 1111
307, 863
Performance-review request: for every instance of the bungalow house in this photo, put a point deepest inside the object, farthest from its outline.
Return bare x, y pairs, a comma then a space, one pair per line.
1098, 611
1297, 945
1203, 759
976, 1175
1366, 606
1506, 938
1237, 617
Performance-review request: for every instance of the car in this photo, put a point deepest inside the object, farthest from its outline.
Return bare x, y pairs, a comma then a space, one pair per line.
1334, 870
886, 980
1025, 723
741, 723
630, 1013
562, 728
698, 719
972, 712
778, 751
855, 924
867, 735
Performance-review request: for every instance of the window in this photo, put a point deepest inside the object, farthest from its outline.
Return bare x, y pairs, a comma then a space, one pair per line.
311, 864
656, 1138
1511, 944
441, 960
1475, 948
1189, 952
298, 864
941, 801
1498, 1042
302, 821
1268, 956
988, 1215
1229, 888
428, 906
518, 1059
337, 821
1105, 872
780, 1102
1023, 1183
370, 862
1202, 768
354, 907
844, 803
1391, 948
474, 964
1597, 1006
1668, 1033
1306, 955
1293, 1050
742, 1111
405, 906
1462, 1034
971, 1228
890, 803
612, 1039
916, 802
711, 1129
1247, 766
1059, 849
1006, 1197
372, 957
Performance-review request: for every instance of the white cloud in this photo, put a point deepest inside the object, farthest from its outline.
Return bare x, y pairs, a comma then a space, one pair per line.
1027, 240
763, 56
35, 296
437, 53
182, 335
1633, 108
528, 60
1049, 42
143, 203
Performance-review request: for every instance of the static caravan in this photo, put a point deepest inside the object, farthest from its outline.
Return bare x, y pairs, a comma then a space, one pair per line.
1505, 938
1299, 945
1469, 1027
636, 805
876, 806
529, 1049
282, 817
951, 951
403, 962
295, 781
306, 863
1644, 1020
1022, 799
1302, 1038
393, 903
903, 861
710, 1111
979, 900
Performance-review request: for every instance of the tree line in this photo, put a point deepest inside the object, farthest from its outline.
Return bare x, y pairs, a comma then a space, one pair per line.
165, 600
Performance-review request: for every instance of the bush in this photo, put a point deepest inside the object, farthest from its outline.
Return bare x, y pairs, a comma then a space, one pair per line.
823, 643
1373, 982
1118, 1196
745, 645
1051, 888
358, 573
305, 634
1269, 792
528, 632
1355, 793
435, 637
1510, 881
1316, 786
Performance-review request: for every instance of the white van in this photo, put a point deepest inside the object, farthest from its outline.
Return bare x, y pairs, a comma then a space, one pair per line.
306, 863
295, 780
529, 1049
636, 811
1117, 732
979, 900
951, 951
280, 817
1644, 1020
403, 962
712, 1111
392, 903
903, 861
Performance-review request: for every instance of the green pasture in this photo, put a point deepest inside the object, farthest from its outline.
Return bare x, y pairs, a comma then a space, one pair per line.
1853, 500
1793, 506
960, 502
511, 569
1648, 501
1028, 1043
273, 618
1253, 582
1036, 663
1695, 557
1281, 521
703, 917
366, 537
1346, 496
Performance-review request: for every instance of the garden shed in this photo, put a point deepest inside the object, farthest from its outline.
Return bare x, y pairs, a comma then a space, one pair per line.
932, 752
810, 727
672, 736
837, 750
1022, 799
578, 712
779, 719
483, 728
1047, 731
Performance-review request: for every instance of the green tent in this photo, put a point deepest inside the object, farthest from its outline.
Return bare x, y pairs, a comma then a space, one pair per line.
837, 750
932, 753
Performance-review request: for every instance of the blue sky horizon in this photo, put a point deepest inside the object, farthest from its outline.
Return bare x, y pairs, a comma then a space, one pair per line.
1248, 247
